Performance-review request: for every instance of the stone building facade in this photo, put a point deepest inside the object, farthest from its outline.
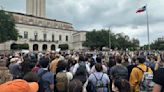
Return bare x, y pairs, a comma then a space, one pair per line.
78, 38
43, 34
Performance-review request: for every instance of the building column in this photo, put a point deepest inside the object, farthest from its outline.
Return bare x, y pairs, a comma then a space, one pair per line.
40, 47
30, 47
42, 8
35, 6
48, 47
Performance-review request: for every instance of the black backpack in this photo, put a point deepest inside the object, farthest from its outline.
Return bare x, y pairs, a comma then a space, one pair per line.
90, 87
42, 81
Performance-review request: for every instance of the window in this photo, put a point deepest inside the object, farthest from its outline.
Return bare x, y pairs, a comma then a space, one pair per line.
25, 34
66, 38
60, 37
45, 36
35, 36
53, 37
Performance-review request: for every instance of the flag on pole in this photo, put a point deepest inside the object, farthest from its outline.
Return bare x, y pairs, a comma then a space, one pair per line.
141, 9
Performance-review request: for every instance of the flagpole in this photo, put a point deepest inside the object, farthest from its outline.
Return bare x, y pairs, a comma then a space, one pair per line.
148, 35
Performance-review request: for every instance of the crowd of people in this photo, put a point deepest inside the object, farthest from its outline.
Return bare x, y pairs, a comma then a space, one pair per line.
110, 71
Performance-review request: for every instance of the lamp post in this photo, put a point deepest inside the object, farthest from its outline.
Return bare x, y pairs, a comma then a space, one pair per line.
109, 38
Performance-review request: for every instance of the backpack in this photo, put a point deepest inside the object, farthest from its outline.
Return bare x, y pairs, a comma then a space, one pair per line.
90, 87
99, 87
146, 84
81, 69
62, 82
41, 81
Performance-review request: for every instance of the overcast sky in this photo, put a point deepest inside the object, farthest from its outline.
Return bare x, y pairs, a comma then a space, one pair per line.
97, 14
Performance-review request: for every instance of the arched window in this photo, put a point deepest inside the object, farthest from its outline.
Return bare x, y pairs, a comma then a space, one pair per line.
44, 47
53, 47
35, 47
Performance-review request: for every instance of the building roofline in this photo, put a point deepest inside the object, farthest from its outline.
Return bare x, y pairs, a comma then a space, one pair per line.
82, 31
79, 32
45, 26
38, 17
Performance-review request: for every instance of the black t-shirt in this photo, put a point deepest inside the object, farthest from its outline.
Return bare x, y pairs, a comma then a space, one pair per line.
159, 77
130, 68
119, 71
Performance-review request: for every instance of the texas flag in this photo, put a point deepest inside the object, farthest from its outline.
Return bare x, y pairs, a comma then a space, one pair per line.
141, 9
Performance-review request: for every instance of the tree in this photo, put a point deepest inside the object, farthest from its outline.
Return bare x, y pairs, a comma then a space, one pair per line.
97, 39
7, 27
63, 46
157, 44
15, 46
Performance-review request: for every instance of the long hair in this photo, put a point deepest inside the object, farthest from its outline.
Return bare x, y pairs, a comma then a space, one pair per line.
75, 86
122, 85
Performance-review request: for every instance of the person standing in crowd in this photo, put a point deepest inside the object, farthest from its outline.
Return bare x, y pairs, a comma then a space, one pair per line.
71, 64
15, 68
81, 65
62, 77
137, 74
53, 64
17, 85
120, 85
131, 66
5, 75
32, 60
32, 79
99, 80
118, 71
75, 86
25, 65
111, 63
99, 60
158, 78
46, 81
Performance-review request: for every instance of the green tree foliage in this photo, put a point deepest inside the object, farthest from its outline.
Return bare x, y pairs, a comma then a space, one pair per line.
63, 46
7, 27
15, 46
157, 45
97, 39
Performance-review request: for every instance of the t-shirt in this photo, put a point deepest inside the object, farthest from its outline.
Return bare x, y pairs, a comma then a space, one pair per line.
49, 77
15, 70
130, 68
119, 71
158, 77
